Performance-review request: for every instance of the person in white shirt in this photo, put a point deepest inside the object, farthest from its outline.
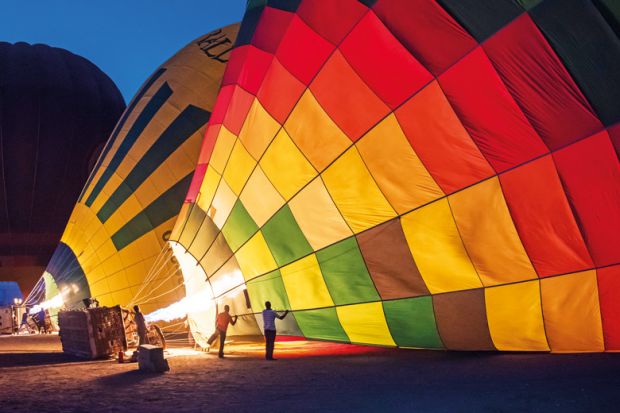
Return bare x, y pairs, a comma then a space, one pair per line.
269, 323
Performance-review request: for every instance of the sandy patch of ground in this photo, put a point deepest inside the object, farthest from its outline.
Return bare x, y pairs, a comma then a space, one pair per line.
36, 377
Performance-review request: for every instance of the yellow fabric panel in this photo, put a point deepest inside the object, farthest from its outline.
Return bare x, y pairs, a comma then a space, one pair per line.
136, 272
255, 258
318, 137
208, 188
238, 168
305, 285
123, 297
96, 178
489, 234
179, 223
75, 225
137, 251
396, 168
515, 317
165, 116
223, 203
365, 323
100, 290
113, 183
223, 146
130, 208
260, 198
355, 193
161, 179
174, 168
572, 313
438, 250
317, 216
258, 130
100, 247
285, 166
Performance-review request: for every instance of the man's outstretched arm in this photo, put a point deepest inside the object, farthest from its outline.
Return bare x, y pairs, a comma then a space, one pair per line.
281, 317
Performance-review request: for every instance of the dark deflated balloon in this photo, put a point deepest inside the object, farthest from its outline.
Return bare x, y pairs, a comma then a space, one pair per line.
56, 111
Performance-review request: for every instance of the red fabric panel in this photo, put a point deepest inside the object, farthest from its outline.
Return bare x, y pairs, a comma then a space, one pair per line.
590, 173
440, 140
280, 91
194, 187
382, 62
221, 105
271, 28
609, 298
543, 218
208, 143
240, 103
247, 68
540, 84
331, 19
490, 114
302, 51
346, 98
427, 31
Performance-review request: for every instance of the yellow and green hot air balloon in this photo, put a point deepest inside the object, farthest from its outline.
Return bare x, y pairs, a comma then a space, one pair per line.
114, 243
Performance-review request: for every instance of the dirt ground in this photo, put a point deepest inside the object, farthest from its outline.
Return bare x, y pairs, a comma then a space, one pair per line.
36, 377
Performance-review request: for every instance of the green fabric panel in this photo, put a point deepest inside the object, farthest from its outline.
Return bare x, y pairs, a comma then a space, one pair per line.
528, 4
51, 291
284, 237
166, 206
412, 322
268, 288
321, 324
239, 227
345, 273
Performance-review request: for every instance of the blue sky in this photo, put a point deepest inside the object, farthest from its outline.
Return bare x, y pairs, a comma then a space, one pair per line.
127, 39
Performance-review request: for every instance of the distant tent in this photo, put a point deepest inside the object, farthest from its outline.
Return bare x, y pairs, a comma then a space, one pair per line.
9, 291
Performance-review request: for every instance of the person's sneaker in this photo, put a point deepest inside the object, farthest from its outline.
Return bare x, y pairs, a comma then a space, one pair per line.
271, 359
220, 356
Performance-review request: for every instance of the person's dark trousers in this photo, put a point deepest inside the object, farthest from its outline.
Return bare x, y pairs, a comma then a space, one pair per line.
270, 340
222, 335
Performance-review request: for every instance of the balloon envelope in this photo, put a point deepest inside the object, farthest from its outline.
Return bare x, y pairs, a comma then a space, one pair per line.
56, 111
113, 241
415, 174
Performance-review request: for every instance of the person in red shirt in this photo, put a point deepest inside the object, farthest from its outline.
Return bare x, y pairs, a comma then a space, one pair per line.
221, 325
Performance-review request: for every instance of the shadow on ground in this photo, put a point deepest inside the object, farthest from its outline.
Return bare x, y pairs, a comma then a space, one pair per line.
35, 359
369, 381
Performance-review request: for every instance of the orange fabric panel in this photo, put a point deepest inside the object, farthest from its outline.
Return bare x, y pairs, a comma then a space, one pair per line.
572, 314
346, 98
489, 235
312, 130
396, 168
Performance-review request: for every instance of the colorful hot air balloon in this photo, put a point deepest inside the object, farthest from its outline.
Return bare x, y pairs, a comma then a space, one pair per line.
129, 205
414, 173
56, 111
